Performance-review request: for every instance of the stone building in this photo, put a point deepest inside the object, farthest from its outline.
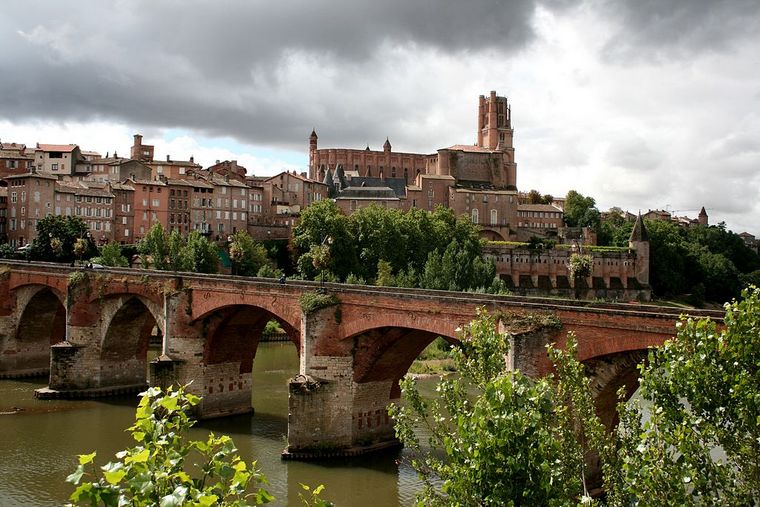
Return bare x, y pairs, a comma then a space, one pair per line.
124, 212
30, 198
15, 159
92, 202
3, 214
621, 274
478, 180
62, 160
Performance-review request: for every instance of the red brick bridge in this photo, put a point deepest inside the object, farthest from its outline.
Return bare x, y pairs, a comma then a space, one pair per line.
90, 329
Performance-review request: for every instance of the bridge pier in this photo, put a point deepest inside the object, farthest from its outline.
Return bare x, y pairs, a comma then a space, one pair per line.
105, 350
330, 414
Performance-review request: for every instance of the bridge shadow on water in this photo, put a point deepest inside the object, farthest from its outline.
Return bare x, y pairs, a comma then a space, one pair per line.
261, 425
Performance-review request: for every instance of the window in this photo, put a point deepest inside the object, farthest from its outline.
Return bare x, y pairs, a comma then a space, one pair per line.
13, 197
474, 215
494, 217
54, 167
154, 203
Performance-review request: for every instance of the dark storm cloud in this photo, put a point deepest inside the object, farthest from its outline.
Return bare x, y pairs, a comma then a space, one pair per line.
216, 66
231, 67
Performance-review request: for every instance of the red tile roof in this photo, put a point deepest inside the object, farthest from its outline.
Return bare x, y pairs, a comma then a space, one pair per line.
468, 147
57, 147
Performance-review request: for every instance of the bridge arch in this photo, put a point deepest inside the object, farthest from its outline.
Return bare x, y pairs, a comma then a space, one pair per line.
607, 374
128, 321
41, 323
231, 339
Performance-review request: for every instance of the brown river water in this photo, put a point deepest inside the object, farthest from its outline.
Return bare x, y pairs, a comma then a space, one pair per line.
39, 444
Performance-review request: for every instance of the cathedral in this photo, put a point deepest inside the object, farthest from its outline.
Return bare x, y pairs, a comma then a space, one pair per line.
479, 180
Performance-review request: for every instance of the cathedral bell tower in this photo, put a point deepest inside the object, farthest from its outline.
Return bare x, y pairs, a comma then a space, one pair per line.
495, 133
313, 170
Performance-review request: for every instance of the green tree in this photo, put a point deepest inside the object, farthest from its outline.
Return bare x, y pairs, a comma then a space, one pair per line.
320, 221
56, 237
248, 255
110, 255
580, 211
154, 247
177, 257
164, 468
497, 437
704, 391
202, 254
385, 276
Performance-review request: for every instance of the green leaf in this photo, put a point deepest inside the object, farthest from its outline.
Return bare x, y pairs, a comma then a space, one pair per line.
114, 477
140, 457
86, 458
207, 500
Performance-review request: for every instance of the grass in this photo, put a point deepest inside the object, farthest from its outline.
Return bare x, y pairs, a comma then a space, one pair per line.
434, 360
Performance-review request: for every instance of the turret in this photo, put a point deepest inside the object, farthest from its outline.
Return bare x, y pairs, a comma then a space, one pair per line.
639, 241
387, 146
702, 218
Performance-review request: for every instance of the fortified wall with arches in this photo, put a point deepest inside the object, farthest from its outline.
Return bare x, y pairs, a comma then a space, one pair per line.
89, 330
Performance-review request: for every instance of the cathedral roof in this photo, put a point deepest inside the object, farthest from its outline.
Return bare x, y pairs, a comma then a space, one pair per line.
468, 147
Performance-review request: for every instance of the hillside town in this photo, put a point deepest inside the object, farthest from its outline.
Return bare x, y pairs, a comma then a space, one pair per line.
120, 198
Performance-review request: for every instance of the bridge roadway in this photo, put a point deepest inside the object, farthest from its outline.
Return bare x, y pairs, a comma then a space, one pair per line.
89, 329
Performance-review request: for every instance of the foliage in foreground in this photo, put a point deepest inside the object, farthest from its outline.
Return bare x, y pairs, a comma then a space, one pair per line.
497, 436
500, 438
704, 390
158, 471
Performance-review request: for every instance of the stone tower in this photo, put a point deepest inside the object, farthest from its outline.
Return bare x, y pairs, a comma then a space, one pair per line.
140, 151
495, 133
313, 171
702, 218
639, 241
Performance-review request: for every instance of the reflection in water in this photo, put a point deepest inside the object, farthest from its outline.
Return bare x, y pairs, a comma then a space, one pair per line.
39, 444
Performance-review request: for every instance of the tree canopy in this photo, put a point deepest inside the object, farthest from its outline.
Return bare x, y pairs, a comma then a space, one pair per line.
580, 211
57, 236
174, 252
417, 248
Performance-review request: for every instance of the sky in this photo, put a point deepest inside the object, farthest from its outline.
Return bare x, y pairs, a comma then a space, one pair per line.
642, 104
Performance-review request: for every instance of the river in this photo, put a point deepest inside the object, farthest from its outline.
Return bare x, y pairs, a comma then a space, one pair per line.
39, 445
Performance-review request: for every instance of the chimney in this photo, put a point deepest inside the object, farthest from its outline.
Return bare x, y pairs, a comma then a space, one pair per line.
138, 139
192, 159
217, 162
107, 154
115, 155
303, 174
